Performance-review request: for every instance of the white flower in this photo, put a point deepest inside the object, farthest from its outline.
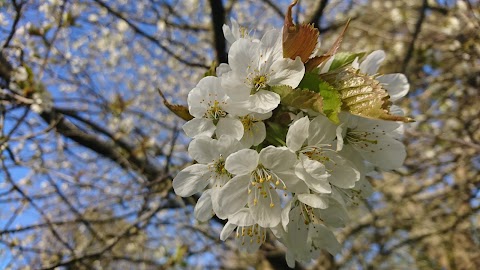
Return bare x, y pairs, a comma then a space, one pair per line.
254, 131
363, 189
396, 83
258, 65
210, 105
305, 235
249, 235
319, 165
258, 175
374, 140
210, 155
236, 32
204, 209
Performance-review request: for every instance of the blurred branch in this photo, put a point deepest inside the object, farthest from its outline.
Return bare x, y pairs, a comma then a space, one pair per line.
318, 14
148, 36
218, 20
18, 15
111, 243
275, 8
418, 28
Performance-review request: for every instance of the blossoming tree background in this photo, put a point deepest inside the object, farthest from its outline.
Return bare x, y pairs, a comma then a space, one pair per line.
89, 151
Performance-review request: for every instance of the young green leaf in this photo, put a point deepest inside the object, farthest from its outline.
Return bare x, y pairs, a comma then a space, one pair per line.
332, 104
344, 58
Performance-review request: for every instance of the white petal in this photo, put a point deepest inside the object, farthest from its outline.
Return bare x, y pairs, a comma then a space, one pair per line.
314, 200
293, 183
242, 218
272, 44
261, 116
355, 63
259, 133
335, 215
203, 209
226, 145
353, 156
321, 131
231, 127
231, 34
233, 196
235, 87
396, 84
290, 258
285, 214
191, 180
263, 101
241, 55
343, 172
227, 230
340, 132
297, 134
238, 108
287, 72
317, 185
364, 187
222, 69
247, 139
195, 107
198, 127
201, 150
372, 62
372, 125
264, 213
387, 153
277, 158
327, 240
325, 67
316, 169
242, 162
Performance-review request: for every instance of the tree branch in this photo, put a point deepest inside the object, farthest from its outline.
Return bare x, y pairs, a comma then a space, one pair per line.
418, 28
318, 14
218, 20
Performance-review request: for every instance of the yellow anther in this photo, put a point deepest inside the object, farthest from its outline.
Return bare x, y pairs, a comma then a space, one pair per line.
277, 183
255, 201
262, 180
272, 205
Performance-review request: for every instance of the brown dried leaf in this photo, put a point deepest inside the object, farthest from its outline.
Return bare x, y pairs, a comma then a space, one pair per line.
318, 60
298, 40
179, 110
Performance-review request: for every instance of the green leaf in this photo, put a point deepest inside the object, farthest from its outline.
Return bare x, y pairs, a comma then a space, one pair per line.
344, 58
298, 98
332, 103
310, 81
276, 134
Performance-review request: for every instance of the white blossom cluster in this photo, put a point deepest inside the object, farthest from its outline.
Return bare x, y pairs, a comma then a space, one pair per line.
296, 189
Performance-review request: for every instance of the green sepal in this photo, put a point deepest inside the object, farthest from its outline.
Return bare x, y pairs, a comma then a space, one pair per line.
298, 98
